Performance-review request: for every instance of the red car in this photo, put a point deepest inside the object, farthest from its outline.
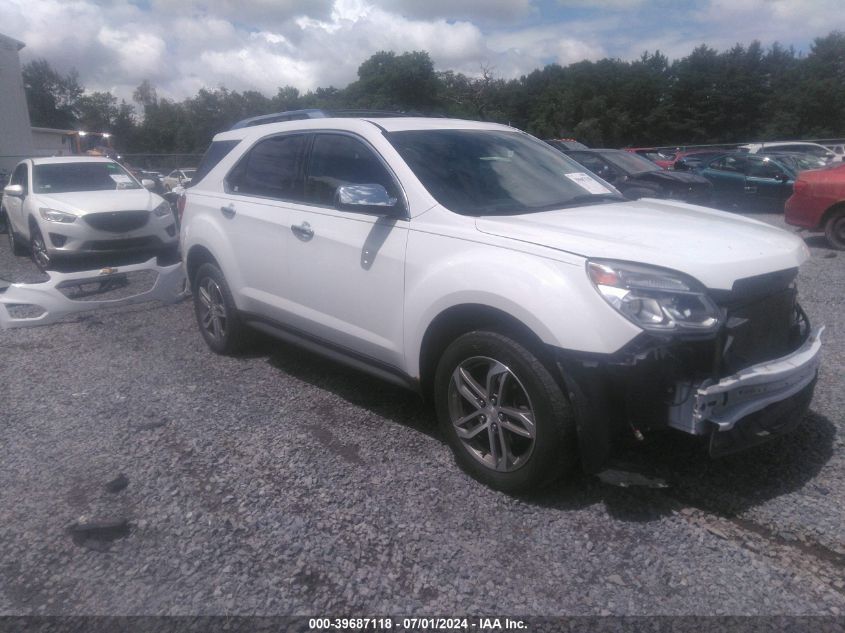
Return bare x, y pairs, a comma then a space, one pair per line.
818, 202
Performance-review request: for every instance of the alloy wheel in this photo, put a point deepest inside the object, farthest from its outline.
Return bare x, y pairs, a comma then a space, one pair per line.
213, 317
491, 413
39, 250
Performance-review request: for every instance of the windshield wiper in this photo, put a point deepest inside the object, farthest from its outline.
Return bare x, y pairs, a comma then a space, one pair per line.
589, 198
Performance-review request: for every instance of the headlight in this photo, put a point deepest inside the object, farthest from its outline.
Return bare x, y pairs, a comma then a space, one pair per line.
163, 209
657, 300
54, 215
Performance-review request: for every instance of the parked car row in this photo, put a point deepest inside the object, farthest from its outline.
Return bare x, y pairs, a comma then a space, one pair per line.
799, 179
636, 177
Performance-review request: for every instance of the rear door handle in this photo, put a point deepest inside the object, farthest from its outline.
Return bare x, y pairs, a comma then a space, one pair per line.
303, 231
228, 212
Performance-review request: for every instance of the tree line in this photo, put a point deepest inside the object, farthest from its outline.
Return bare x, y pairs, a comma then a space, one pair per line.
741, 94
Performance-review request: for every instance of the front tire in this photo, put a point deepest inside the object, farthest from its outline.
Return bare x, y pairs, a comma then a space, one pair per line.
503, 414
217, 316
14, 245
38, 250
834, 230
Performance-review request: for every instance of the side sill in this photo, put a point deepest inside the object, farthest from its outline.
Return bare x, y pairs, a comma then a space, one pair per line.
339, 354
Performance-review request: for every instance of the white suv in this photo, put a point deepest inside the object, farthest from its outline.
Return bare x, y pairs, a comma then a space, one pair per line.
544, 314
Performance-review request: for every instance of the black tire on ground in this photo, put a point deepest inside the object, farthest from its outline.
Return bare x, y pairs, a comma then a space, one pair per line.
4, 224
834, 230
14, 243
528, 388
217, 316
38, 250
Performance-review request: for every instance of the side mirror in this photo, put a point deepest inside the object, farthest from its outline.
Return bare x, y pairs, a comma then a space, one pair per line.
365, 199
148, 184
15, 191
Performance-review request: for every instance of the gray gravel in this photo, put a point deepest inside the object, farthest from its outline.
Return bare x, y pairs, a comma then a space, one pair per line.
280, 483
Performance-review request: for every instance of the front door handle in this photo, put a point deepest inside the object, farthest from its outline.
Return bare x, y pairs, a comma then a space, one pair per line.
228, 212
303, 231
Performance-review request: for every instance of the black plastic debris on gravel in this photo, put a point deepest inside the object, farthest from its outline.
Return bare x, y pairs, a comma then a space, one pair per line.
117, 484
147, 426
97, 535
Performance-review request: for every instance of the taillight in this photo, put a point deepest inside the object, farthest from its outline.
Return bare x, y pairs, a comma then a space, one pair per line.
180, 205
800, 186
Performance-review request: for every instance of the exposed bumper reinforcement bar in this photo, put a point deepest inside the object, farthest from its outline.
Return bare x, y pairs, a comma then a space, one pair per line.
168, 288
726, 402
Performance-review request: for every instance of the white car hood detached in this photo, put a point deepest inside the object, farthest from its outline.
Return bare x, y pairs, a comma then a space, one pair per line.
716, 248
82, 202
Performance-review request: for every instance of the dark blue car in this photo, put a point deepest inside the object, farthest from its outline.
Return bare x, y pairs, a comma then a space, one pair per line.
749, 182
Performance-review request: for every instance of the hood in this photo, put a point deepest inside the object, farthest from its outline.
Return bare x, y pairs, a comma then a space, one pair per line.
666, 177
82, 202
716, 248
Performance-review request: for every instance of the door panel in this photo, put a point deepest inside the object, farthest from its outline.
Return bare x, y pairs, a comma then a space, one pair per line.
255, 215
767, 184
347, 269
347, 280
258, 232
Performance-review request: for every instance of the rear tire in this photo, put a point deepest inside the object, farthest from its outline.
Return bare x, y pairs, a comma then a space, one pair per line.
834, 230
217, 316
503, 414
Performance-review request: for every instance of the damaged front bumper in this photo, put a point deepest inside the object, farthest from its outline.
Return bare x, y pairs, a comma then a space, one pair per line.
49, 304
720, 405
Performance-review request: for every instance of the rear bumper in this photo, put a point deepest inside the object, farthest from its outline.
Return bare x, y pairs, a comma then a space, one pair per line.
805, 212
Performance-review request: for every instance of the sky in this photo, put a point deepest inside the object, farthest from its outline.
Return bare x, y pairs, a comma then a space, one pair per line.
182, 46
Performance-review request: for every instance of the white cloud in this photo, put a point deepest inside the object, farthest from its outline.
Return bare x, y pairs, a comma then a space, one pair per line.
265, 44
483, 11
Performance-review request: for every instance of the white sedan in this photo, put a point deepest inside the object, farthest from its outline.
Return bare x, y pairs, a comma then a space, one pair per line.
178, 178
60, 207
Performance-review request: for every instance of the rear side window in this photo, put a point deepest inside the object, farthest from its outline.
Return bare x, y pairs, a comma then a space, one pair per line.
762, 168
216, 152
736, 164
338, 160
271, 169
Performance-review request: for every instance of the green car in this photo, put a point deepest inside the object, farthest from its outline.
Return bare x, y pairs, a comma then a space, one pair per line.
750, 182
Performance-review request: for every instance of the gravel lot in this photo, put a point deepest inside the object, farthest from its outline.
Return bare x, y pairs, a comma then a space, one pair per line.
280, 483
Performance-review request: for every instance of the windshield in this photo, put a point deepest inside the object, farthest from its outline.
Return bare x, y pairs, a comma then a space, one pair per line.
189, 173
68, 177
492, 172
630, 163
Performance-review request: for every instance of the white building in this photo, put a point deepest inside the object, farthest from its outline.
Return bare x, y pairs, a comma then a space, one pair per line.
48, 141
15, 132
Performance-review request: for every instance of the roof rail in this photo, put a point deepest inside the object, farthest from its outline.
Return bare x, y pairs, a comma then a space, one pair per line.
316, 113
279, 117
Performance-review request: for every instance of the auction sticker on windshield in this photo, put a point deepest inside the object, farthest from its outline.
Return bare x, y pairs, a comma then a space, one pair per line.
588, 182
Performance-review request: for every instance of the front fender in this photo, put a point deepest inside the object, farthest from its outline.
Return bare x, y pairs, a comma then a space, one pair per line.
554, 299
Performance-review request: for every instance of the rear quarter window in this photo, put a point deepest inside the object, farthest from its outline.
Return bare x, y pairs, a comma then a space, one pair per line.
217, 151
